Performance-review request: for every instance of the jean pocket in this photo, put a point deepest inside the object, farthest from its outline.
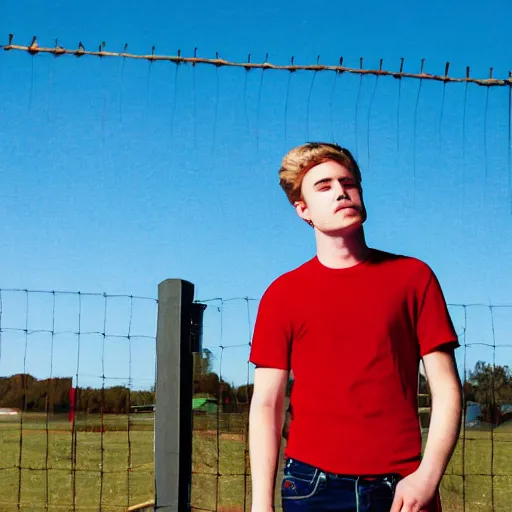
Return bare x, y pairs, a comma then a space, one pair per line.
377, 496
300, 470
301, 481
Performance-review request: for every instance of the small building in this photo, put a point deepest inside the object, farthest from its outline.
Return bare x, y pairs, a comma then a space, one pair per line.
6, 411
473, 414
142, 408
506, 409
505, 413
204, 405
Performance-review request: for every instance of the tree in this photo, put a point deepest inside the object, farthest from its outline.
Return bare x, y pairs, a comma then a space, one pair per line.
203, 363
207, 384
244, 393
490, 386
206, 381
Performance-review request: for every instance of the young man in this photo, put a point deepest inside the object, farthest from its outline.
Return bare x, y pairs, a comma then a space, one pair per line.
352, 324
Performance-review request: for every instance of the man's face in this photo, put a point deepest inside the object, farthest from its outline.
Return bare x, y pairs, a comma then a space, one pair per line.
331, 199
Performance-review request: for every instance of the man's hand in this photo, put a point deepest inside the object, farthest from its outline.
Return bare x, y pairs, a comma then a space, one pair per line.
413, 493
416, 491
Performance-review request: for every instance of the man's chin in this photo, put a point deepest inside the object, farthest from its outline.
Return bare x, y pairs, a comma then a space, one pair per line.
345, 229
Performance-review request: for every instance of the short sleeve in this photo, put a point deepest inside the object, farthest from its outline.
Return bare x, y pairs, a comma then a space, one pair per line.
271, 341
434, 327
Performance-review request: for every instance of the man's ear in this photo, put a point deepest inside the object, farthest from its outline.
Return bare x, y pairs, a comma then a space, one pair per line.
302, 210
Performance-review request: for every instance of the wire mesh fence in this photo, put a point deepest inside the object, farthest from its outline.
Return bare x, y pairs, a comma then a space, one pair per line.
80, 436
77, 411
479, 476
76, 400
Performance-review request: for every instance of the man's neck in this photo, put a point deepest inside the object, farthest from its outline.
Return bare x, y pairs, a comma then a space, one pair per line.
341, 251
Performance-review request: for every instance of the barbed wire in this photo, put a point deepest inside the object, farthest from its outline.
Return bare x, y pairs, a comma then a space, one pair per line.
33, 49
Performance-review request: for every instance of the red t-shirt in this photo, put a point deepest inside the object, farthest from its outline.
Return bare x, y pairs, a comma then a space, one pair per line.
353, 339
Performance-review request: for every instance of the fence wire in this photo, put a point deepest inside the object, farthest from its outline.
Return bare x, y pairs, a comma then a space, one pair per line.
34, 48
367, 104
73, 438
479, 475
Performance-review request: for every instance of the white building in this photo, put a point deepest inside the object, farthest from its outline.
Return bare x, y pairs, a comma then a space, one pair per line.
8, 412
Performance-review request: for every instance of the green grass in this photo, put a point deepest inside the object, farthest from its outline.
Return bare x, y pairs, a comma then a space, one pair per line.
478, 489
486, 454
213, 454
116, 478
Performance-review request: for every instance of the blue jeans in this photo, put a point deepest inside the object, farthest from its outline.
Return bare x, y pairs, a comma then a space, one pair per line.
305, 488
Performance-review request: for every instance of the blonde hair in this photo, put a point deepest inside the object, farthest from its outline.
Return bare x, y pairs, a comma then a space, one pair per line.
298, 161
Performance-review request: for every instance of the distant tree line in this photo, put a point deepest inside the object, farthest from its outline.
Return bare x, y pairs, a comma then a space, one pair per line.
490, 386
27, 393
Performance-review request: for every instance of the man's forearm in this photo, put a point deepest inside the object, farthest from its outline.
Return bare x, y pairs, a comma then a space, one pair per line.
265, 424
443, 432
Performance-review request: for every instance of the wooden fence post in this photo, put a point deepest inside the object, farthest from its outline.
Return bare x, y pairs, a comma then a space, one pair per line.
179, 333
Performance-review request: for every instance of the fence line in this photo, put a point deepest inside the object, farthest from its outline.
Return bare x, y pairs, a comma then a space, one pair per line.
63, 329
80, 51
221, 449
221, 459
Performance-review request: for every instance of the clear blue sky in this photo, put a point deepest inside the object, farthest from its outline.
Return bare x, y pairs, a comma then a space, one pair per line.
115, 176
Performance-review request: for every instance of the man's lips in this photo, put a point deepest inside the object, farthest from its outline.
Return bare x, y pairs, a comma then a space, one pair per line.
346, 207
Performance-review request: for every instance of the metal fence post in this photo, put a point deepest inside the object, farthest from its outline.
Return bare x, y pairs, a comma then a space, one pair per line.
174, 389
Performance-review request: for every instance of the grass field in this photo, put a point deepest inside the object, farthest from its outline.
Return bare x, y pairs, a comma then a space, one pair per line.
88, 463
223, 454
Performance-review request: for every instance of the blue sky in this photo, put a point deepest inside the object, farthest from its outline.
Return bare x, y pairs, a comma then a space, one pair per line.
116, 175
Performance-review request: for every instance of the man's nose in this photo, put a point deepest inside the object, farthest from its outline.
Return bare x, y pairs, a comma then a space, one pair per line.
341, 192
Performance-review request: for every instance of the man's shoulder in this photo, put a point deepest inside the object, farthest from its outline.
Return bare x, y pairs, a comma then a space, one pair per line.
288, 281
401, 262
409, 271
